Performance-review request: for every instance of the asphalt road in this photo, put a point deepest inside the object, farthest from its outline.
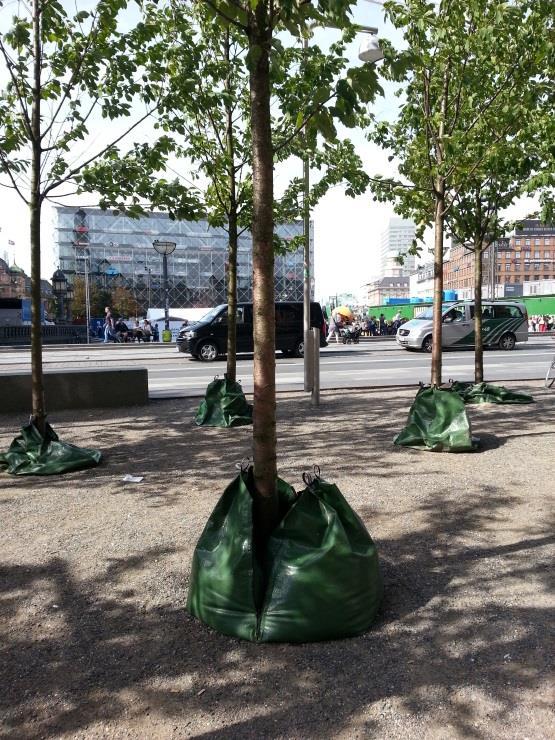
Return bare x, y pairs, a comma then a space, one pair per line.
376, 363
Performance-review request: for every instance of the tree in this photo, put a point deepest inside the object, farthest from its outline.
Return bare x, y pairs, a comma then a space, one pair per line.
465, 63
211, 129
124, 303
64, 73
258, 20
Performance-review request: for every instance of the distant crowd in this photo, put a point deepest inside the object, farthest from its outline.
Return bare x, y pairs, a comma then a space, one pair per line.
118, 330
379, 326
542, 323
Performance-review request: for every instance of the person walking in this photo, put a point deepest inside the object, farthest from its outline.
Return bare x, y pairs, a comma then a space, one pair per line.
335, 328
108, 325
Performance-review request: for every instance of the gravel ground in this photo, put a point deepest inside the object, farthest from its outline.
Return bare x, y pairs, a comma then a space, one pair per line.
96, 641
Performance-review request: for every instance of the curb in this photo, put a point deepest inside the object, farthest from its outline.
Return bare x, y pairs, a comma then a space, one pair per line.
335, 389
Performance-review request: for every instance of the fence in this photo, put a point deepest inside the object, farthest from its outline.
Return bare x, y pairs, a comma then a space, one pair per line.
62, 334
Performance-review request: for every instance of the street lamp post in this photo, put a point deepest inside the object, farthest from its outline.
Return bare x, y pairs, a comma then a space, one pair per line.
165, 248
369, 51
59, 287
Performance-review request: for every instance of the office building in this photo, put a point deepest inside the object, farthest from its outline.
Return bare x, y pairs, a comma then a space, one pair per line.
117, 251
396, 240
388, 287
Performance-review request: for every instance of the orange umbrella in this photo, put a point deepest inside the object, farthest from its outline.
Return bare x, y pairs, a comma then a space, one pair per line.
343, 311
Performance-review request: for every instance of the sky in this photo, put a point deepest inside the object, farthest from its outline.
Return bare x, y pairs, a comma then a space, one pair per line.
347, 231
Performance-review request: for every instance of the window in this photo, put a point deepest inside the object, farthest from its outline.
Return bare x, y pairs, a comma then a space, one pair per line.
527, 242
536, 242
536, 255
506, 312
527, 255
517, 242
546, 241
536, 265
547, 254
527, 277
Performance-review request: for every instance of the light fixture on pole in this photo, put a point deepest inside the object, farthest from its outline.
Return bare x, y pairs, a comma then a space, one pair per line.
165, 248
369, 50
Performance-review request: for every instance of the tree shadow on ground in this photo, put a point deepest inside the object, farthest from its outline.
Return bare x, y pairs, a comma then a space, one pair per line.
343, 435
94, 650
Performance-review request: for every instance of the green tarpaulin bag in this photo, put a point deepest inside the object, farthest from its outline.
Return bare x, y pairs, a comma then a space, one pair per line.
324, 578
33, 454
224, 405
487, 393
320, 577
438, 422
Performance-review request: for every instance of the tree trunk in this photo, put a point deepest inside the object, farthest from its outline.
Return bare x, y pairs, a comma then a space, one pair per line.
231, 373
478, 340
438, 281
35, 203
264, 413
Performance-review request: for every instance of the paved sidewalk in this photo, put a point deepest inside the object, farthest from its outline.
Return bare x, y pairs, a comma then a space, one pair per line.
96, 641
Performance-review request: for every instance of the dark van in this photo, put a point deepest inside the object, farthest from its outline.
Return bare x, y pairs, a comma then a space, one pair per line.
207, 338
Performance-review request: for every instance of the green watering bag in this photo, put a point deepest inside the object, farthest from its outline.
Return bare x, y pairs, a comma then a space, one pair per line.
438, 422
224, 405
33, 454
487, 393
320, 579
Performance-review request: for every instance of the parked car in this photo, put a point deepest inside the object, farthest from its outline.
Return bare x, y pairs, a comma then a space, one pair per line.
206, 339
504, 323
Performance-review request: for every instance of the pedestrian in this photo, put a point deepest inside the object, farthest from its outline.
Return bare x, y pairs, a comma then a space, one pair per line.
108, 325
335, 328
383, 325
155, 332
147, 330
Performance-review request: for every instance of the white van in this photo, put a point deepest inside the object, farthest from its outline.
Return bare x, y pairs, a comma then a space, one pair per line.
504, 323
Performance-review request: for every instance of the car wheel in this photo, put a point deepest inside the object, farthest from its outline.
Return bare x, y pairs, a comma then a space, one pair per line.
427, 344
507, 341
299, 348
207, 351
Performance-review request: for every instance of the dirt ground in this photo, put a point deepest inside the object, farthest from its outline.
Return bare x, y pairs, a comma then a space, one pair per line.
96, 641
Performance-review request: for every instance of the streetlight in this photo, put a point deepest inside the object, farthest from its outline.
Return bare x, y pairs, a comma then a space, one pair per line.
165, 248
59, 288
369, 51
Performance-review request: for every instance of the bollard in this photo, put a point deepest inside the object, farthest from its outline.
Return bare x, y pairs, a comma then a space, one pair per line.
308, 359
315, 396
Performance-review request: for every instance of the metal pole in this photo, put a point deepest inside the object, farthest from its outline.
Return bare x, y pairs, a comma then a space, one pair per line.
87, 301
307, 343
166, 293
315, 396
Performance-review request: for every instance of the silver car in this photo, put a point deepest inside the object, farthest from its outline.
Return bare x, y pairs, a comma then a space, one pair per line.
504, 323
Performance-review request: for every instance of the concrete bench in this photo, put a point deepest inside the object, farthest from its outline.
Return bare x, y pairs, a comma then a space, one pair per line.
76, 389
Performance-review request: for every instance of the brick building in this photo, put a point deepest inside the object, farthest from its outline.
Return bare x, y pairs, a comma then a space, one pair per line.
527, 255
13, 281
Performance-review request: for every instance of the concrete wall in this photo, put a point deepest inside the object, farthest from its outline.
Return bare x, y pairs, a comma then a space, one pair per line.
77, 389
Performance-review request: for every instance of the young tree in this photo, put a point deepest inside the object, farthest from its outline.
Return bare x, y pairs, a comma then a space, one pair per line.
64, 73
210, 130
466, 61
258, 20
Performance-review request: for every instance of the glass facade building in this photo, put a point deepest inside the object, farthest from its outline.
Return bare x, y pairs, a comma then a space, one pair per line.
117, 251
